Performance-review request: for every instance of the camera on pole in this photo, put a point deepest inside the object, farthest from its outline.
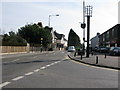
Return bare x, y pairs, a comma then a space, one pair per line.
83, 25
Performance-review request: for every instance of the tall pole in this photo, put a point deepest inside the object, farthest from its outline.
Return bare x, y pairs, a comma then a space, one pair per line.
83, 21
83, 25
83, 28
88, 14
88, 36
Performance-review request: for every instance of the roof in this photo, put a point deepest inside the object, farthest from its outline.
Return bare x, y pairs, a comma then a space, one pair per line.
59, 36
117, 25
65, 39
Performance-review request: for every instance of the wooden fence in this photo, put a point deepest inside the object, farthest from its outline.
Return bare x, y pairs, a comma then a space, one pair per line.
9, 49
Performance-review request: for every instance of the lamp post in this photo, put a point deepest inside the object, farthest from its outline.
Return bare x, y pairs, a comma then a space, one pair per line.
88, 15
50, 17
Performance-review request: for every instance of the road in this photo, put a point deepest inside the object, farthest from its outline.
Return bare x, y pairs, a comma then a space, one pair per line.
53, 70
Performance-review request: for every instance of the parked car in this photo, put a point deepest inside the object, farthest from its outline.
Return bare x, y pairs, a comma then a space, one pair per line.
114, 51
80, 52
71, 49
97, 49
104, 49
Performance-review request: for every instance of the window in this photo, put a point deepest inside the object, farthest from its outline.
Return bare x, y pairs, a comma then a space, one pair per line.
107, 36
112, 32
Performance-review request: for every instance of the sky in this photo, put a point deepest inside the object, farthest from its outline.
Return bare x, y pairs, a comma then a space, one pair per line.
18, 13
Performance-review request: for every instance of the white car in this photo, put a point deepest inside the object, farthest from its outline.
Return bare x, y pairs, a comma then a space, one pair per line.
71, 49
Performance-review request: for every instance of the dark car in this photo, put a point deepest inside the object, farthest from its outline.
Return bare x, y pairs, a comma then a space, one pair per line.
104, 49
80, 51
115, 51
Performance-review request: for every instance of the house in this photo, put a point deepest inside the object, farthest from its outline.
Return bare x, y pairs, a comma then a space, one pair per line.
110, 37
95, 41
61, 42
58, 40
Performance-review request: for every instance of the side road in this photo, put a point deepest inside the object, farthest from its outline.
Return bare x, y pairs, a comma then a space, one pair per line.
98, 60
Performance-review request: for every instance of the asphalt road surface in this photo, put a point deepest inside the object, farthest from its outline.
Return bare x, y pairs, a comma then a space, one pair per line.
53, 70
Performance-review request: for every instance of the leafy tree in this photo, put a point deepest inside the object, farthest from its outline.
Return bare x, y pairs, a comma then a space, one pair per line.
73, 39
33, 33
30, 33
12, 39
47, 36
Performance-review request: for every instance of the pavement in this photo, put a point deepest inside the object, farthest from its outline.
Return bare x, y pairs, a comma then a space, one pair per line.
99, 60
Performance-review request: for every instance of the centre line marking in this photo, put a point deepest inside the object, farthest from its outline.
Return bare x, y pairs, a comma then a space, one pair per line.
52, 63
4, 84
17, 78
47, 65
29, 73
36, 70
42, 67
55, 62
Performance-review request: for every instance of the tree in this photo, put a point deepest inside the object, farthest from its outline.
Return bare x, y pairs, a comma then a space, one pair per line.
47, 36
12, 39
33, 33
30, 33
73, 39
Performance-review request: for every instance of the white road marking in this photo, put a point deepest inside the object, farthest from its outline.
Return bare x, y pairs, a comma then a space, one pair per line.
4, 84
36, 70
58, 61
29, 73
20, 77
47, 65
55, 62
17, 78
42, 67
15, 60
52, 63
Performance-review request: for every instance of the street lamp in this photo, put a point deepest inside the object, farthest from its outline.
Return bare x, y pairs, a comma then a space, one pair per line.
49, 18
88, 15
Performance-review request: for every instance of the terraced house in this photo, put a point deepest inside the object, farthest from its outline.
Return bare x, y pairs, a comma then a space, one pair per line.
111, 37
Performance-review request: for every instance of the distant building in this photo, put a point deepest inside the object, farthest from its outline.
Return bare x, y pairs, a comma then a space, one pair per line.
58, 40
111, 37
95, 41
61, 42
